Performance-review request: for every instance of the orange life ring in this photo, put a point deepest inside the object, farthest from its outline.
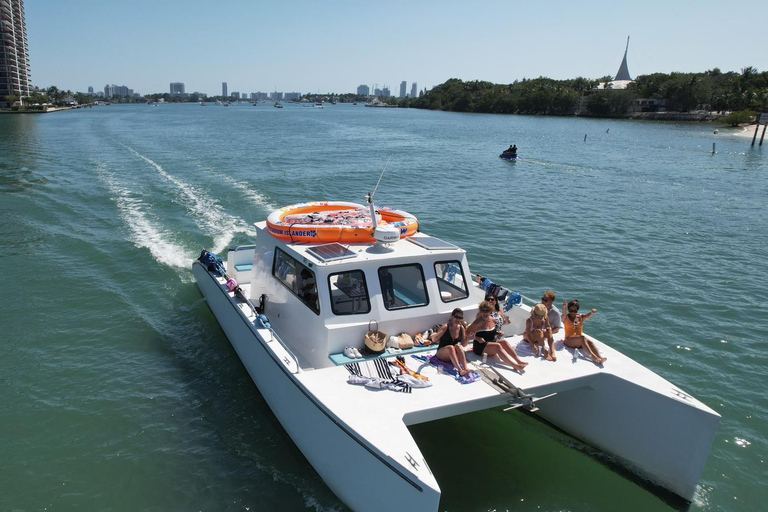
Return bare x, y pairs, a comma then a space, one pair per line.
335, 221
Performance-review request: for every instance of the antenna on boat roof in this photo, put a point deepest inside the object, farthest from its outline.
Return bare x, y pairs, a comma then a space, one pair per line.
370, 196
382, 234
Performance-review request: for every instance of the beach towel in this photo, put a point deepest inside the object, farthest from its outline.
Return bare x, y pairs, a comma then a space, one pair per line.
374, 368
414, 379
450, 369
375, 374
399, 363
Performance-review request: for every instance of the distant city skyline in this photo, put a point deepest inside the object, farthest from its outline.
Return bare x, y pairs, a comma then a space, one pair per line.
76, 44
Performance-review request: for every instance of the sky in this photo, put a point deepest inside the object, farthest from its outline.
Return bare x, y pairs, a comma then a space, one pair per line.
336, 45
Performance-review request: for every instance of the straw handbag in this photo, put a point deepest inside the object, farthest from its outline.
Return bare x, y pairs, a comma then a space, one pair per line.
375, 340
404, 340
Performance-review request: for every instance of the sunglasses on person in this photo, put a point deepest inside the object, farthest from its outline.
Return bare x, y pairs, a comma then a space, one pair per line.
458, 317
490, 298
544, 299
573, 310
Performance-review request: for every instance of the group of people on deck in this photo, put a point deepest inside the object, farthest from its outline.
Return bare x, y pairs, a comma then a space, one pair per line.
488, 338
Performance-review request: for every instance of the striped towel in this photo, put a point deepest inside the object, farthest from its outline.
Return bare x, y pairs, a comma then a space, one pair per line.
375, 374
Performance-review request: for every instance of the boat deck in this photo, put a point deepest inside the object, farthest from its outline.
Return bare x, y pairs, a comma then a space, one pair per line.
614, 406
448, 397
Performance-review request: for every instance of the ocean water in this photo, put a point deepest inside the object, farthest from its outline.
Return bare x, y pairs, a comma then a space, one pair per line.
119, 391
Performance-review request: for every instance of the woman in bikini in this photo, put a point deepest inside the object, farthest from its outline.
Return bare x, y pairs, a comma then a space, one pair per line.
537, 329
488, 340
574, 330
448, 337
497, 314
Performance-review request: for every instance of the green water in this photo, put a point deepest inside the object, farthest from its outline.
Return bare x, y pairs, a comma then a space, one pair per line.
119, 391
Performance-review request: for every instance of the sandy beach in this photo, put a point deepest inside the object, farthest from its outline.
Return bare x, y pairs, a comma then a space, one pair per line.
746, 131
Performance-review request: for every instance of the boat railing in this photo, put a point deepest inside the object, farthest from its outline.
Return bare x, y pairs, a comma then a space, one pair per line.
277, 338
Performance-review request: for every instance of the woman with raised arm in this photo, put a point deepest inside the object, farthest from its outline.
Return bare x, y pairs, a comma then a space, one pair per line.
574, 330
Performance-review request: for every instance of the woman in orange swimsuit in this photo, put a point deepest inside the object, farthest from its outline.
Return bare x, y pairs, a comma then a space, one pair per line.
574, 330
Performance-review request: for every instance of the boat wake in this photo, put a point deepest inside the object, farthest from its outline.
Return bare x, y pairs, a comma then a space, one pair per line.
208, 215
145, 231
254, 196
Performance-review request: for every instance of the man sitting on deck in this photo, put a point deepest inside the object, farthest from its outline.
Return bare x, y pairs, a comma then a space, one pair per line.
555, 320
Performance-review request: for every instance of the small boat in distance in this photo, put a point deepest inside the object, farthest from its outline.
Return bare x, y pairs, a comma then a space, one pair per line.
510, 153
323, 277
377, 103
278, 105
319, 104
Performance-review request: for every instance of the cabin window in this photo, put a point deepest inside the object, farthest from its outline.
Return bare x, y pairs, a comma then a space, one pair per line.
450, 281
349, 293
402, 286
298, 278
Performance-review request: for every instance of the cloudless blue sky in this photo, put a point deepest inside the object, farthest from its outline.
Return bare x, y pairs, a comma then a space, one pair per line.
336, 45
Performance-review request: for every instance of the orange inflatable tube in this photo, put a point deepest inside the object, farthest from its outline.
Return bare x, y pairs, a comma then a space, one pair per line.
335, 221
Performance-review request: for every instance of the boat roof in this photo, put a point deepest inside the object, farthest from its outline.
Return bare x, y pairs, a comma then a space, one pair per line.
327, 254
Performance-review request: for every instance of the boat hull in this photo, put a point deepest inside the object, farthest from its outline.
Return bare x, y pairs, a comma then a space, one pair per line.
353, 469
662, 438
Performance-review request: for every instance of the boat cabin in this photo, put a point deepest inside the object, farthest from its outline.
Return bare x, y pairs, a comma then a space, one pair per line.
323, 297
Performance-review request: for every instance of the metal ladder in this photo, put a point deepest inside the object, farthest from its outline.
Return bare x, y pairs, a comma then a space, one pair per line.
518, 397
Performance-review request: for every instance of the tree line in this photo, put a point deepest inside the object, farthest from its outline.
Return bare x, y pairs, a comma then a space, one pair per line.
711, 90
50, 96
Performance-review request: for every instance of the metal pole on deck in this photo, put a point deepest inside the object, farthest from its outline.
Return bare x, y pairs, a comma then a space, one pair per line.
713, 148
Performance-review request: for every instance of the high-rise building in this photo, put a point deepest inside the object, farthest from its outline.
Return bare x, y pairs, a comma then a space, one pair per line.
90, 90
224, 89
402, 89
363, 90
413, 90
117, 90
14, 53
177, 88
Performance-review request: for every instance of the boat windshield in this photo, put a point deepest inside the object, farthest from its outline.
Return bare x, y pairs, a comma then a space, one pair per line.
349, 293
299, 279
450, 281
402, 286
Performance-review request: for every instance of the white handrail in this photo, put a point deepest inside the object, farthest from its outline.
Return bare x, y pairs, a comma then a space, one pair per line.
285, 347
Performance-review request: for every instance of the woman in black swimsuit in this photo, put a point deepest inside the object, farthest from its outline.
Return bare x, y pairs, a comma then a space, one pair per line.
449, 336
483, 329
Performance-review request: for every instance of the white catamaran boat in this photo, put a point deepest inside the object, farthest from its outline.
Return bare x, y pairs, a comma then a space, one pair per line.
310, 287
